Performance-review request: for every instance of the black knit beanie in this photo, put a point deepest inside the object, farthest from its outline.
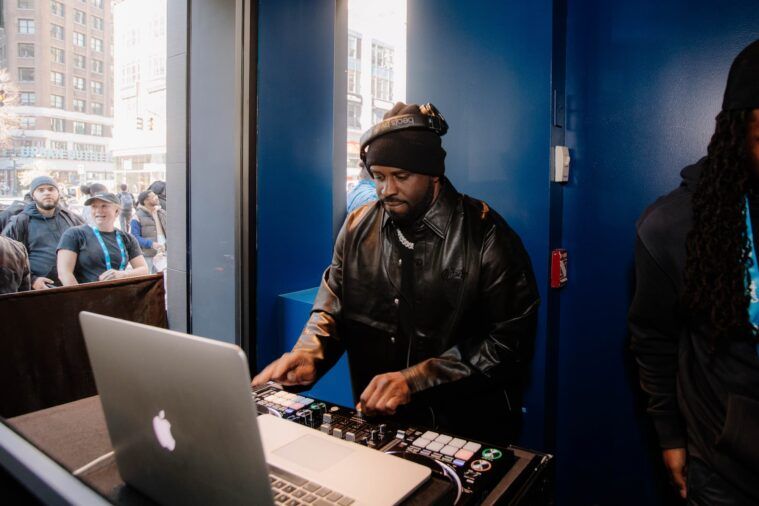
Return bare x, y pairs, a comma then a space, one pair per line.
742, 90
415, 150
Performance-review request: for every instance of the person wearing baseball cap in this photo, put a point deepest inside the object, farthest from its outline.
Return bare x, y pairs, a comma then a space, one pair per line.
39, 228
429, 291
695, 312
99, 252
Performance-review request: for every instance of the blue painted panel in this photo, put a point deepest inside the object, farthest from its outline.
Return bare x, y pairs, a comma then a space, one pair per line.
644, 82
335, 386
294, 184
487, 67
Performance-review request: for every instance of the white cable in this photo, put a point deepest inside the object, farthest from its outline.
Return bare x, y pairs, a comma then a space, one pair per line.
92, 464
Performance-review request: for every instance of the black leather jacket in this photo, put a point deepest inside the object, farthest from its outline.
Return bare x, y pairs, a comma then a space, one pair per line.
474, 313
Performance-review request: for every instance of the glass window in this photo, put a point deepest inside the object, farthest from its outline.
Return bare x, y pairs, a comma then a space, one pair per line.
27, 122
57, 124
57, 8
354, 115
25, 50
26, 74
28, 98
130, 74
96, 129
378, 114
56, 101
80, 127
382, 71
80, 84
157, 67
97, 23
25, 4
158, 27
131, 37
79, 105
97, 66
60, 145
375, 69
80, 17
57, 32
57, 78
26, 26
80, 61
80, 39
354, 81
96, 44
96, 148
96, 87
57, 55
97, 108
98, 3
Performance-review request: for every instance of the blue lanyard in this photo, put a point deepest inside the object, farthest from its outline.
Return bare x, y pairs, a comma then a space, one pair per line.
122, 249
753, 271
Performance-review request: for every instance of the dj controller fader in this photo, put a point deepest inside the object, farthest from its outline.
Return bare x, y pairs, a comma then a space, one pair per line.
472, 468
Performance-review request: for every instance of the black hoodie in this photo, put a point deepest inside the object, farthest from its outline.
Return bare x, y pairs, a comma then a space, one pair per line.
705, 402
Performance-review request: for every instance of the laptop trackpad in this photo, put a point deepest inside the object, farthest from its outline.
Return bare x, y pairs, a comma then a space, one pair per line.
313, 453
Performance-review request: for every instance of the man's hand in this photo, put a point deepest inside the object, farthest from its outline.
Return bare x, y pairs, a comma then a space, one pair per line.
384, 394
296, 368
41, 283
674, 461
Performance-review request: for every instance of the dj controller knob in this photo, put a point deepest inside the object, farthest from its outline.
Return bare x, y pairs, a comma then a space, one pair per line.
327, 418
382, 428
325, 428
338, 433
373, 435
350, 436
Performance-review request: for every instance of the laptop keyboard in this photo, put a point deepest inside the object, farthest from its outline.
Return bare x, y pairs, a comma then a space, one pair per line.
291, 490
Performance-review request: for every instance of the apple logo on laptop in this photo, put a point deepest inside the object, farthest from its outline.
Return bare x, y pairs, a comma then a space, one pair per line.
162, 428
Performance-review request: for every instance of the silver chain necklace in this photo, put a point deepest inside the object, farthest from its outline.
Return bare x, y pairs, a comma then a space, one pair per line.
408, 244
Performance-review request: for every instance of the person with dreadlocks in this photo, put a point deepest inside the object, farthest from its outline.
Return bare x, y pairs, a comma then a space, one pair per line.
694, 316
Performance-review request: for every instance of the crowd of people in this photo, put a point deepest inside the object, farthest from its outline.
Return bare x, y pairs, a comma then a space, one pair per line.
44, 243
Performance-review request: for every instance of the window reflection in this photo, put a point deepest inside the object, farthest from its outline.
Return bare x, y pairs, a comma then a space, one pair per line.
83, 101
376, 70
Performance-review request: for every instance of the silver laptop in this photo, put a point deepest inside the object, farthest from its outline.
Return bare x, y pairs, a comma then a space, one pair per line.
183, 426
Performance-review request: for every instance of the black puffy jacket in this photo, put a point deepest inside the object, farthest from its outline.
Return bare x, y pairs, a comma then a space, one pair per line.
473, 320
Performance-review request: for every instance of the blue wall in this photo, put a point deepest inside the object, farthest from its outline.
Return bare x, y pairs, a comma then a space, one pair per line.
487, 67
294, 184
644, 82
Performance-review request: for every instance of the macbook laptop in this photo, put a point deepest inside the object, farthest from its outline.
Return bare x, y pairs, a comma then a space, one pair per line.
184, 430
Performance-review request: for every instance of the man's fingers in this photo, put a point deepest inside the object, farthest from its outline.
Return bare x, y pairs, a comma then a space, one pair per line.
367, 393
283, 366
379, 392
264, 375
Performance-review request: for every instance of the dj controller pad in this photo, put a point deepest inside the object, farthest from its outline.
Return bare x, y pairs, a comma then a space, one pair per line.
474, 469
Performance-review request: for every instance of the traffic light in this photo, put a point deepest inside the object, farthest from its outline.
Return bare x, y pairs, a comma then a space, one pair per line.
139, 123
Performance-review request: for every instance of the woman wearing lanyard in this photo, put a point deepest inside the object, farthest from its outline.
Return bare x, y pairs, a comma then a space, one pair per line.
99, 252
694, 318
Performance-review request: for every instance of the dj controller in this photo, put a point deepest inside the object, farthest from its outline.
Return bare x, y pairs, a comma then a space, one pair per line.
472, 469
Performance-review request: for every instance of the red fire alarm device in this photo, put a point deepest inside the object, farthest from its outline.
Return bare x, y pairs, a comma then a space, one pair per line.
558, 268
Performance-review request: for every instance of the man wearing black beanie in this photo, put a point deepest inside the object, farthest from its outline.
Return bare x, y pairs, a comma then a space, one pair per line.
695, 312
430, 292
